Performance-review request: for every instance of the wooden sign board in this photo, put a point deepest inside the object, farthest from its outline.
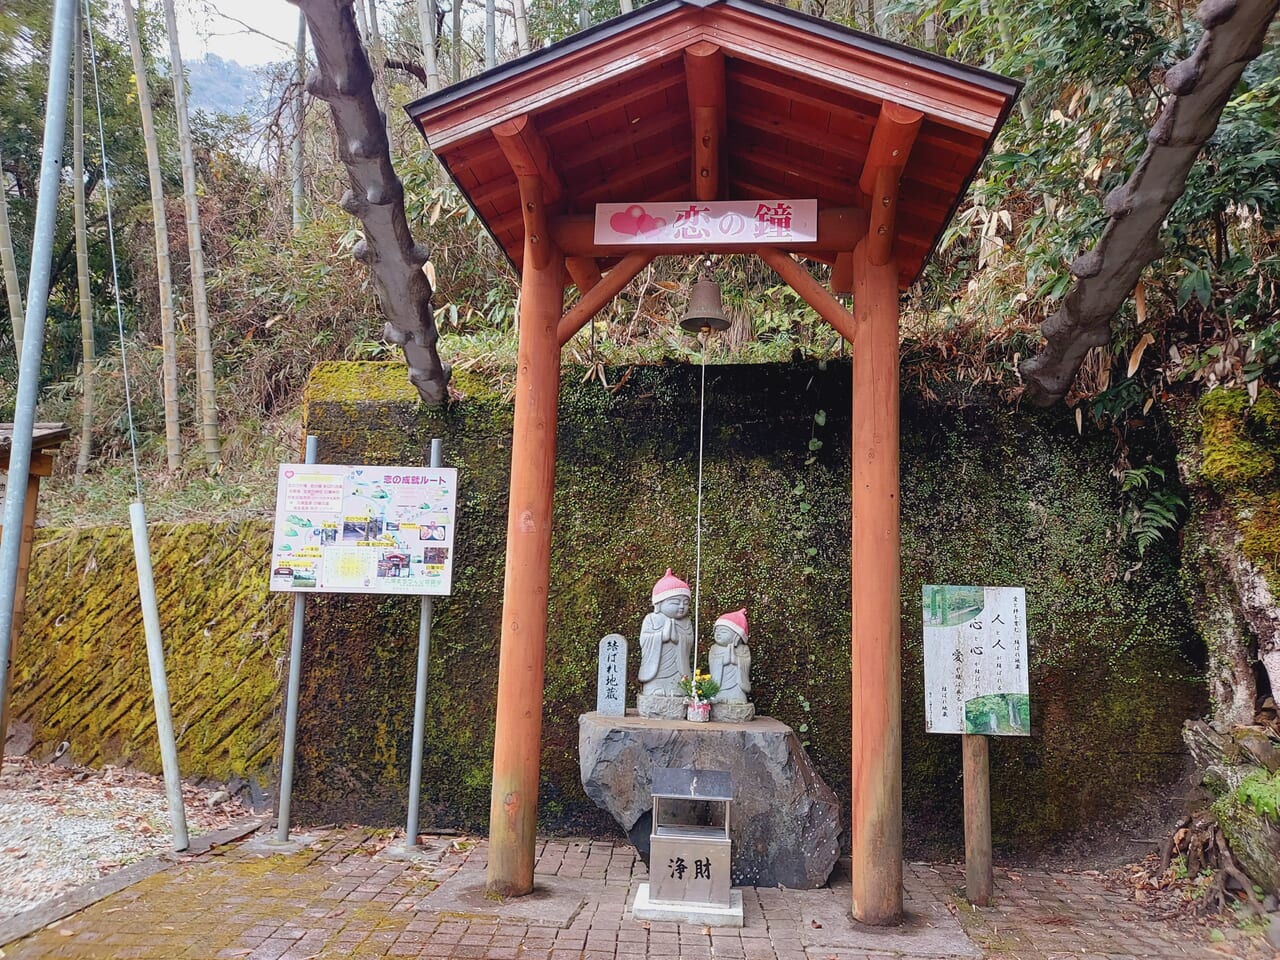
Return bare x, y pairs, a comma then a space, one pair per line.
975, 660
707, 223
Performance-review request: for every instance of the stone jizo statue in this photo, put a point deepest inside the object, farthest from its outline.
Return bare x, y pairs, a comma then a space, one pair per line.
666, 639
730, 658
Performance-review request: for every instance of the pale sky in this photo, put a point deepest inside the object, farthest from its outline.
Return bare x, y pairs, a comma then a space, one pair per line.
203, 30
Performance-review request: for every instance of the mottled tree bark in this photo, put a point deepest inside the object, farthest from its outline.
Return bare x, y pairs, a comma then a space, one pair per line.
343, 78
1235, 31
1213, 568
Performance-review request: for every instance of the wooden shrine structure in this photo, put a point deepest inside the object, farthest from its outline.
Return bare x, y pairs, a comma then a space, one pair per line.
691, 102
46, 439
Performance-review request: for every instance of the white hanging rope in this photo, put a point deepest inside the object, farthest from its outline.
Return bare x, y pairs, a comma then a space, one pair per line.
697, 567
137, 515
111, 242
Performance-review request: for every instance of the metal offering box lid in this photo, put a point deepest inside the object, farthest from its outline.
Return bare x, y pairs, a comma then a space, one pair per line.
692, 784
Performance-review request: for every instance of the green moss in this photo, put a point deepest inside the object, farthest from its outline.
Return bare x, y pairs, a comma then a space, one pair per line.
1261, 791
86, 678
1261, 541
364, 382
1238, 439
989, 496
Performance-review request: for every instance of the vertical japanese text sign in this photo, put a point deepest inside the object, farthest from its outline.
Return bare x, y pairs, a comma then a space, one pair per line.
611, 690
975, 661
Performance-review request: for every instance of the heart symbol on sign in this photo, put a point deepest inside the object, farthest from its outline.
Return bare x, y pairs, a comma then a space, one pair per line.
288, 474
627, 222
649, 224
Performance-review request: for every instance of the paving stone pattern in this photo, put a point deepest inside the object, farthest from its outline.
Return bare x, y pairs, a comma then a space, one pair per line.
339, 898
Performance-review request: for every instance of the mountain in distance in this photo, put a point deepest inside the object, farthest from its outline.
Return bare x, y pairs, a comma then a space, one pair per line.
223, 86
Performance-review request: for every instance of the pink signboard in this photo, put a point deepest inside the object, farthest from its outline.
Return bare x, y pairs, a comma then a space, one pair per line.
709, 223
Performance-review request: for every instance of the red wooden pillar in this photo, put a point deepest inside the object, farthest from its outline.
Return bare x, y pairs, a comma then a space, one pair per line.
513, 811
876, 667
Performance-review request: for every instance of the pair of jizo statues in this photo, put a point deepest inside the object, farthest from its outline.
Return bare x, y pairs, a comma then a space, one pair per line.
667, 643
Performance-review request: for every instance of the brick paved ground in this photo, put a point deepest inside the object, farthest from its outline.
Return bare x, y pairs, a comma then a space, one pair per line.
339, 898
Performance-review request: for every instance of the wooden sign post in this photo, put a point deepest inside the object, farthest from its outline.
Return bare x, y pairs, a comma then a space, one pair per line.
978, 877
975, 678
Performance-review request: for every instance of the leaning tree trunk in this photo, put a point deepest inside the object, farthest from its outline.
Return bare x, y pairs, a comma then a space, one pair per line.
87, 351
210, 441
1234, 34
10, 265
168, 335
343, 79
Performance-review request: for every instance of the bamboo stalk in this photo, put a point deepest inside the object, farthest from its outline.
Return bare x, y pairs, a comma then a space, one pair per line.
427, 28
87, 351
209, 438
12, 285
168, 334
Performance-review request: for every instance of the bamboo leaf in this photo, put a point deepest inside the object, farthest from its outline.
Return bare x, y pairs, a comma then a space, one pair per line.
1135, 358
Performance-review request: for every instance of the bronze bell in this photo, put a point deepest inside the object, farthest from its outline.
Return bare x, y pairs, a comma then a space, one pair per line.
705, 310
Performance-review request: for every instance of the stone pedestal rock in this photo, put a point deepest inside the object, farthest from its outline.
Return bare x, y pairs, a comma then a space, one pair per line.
784, 821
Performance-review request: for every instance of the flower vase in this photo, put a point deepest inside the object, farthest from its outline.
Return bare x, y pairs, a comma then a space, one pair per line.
698, 711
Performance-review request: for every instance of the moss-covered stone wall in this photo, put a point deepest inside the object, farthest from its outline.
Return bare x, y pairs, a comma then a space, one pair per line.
80, 673
990, 496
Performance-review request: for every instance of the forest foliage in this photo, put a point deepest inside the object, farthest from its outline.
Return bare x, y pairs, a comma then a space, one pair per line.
1207, 313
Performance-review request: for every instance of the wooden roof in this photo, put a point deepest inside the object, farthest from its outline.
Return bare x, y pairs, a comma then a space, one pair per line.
43, 437
609, 115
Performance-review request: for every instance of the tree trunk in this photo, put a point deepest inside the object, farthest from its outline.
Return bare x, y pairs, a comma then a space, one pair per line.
342, 79
1212, 568
210, 440
168, 335
12, 285
1234, 34
87, 352
299, 125
427, 28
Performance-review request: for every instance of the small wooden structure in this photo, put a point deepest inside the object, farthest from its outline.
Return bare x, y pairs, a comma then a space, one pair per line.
46, 438
699, 101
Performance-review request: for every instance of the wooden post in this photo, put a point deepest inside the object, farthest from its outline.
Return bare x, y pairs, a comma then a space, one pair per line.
977, 820
513, 810
876, 669
41, 465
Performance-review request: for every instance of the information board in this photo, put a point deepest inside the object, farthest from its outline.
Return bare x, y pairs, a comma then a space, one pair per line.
364, 529
975, 661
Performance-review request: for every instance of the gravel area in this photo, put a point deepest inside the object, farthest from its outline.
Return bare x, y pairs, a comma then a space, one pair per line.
63, 826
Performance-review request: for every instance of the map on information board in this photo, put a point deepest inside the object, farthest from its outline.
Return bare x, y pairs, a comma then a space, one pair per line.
365, 529
975, 661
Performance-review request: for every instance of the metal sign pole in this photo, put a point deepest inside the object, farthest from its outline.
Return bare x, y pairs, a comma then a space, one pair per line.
420, 699
24, 414
291, 700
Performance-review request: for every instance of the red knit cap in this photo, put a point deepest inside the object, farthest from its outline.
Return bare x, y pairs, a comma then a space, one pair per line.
736, 621
669, 586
